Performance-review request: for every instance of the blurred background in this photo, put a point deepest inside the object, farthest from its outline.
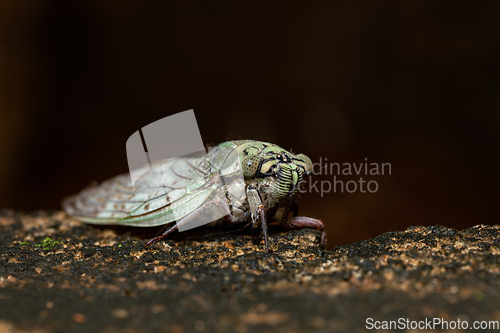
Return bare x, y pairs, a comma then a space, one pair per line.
414, 84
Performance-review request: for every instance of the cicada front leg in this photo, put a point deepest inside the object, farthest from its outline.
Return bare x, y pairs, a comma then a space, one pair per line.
258, 211
299, 222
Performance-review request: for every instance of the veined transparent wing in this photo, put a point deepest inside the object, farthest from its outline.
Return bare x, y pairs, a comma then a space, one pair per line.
169, 191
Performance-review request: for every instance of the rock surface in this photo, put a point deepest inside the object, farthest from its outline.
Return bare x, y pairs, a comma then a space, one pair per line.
58, 275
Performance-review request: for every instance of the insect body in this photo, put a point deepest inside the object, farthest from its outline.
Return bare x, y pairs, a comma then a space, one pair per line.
184, 189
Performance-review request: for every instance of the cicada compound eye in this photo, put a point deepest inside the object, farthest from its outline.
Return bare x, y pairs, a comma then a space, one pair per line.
250, 166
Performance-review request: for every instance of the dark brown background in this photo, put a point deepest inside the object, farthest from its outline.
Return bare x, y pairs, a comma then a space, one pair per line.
416, 84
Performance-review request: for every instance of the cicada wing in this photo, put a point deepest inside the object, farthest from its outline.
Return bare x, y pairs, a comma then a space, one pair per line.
167, 192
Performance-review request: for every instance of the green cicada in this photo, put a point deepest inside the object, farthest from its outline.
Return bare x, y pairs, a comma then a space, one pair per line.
181, 190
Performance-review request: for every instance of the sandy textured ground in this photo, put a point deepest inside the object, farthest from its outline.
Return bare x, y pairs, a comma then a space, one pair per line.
58, 275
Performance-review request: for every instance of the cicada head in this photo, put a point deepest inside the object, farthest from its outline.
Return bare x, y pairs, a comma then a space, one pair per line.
282, 171
289, 173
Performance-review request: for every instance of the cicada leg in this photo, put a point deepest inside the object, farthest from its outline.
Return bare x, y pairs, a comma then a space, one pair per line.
258, 211
158, 238
215, 202
299, 222
261, 211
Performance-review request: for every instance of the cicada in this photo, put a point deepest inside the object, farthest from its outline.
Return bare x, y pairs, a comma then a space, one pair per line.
180, 190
